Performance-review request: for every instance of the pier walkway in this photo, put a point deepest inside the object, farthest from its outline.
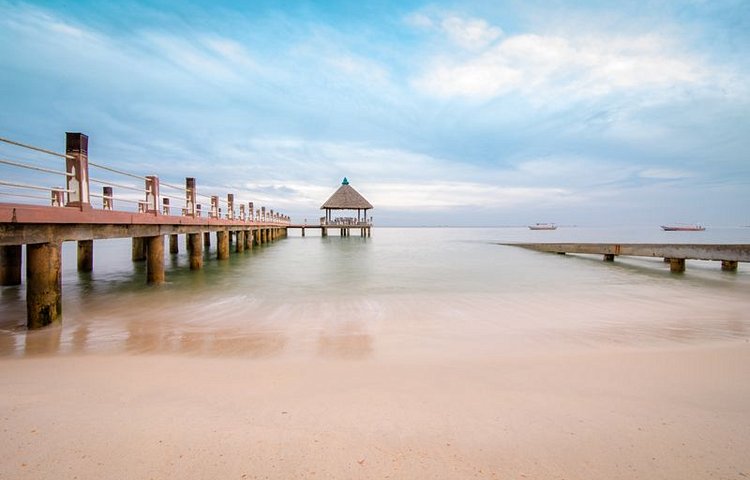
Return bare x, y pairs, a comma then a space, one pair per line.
42, 221
675, 254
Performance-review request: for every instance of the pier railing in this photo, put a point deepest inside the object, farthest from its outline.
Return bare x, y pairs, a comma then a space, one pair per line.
35, 175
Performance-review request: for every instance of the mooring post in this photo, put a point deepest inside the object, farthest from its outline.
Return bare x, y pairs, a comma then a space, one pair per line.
222, 244
10, 264
240, 243
139, 249
729, 265
191, 208
677, 265
77, 167
85, 255
174, 246
43, 284
609, 257
196, 251
155, 260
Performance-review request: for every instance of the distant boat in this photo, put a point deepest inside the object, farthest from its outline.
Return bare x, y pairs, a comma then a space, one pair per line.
683, 228
543, 226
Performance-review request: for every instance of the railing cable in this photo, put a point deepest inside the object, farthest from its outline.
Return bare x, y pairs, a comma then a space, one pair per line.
32, 167
31, 147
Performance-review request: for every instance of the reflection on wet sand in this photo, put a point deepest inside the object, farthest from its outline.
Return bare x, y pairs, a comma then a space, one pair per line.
350, 341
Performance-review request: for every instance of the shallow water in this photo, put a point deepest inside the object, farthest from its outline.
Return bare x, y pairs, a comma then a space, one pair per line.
404, 292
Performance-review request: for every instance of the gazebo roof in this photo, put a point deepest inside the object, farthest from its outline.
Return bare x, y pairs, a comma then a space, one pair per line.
346, 198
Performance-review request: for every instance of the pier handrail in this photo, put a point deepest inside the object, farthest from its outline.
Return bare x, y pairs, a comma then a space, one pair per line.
153, 202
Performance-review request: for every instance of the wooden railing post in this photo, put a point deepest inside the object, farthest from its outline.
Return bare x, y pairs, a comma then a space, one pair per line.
77, 167
107, 201
152, 194
190, 195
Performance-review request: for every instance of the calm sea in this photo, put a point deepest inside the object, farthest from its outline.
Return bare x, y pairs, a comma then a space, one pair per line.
414, 292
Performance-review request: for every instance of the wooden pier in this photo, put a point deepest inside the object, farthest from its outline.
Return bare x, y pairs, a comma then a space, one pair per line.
70, 216
675, 254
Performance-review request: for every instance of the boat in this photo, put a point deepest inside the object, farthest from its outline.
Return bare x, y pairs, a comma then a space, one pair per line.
543, 226
683, 228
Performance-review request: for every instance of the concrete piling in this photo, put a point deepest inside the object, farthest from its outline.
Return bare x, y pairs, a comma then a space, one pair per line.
85, 255
139, 249
10, 264
174, 244
609, 257
729, 265
222, 245
155, 259
44, 284
676, 265
248, 239
195, 246
239, 244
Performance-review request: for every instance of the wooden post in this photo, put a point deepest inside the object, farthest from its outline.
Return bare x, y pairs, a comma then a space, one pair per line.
44, 285
196, 251
729, 265
191, 208
174, 246
609, 257
677, 265
230, 206
155, 260
77, 166
206, 239
85, 255
107, 200
10, 265
222, 244
240, 242
139, 249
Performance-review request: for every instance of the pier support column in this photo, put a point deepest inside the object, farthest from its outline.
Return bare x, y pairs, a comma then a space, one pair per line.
324, 232
206, 239
10, 264
303, 231
609, 257
139, 249
155, 260
239, 246
222, 244
729, 265
174, 245
44, 285
248, 239
195, 246
85, 255
677, 265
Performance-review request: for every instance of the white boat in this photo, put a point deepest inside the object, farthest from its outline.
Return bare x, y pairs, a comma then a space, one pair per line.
543, 226
683, 228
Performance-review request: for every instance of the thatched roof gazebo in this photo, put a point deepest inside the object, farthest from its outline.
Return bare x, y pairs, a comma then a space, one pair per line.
346, 198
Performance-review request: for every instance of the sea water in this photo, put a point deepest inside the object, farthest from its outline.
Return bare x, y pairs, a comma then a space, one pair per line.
415, 292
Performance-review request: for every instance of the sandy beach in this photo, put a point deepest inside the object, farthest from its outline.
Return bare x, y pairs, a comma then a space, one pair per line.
677, 412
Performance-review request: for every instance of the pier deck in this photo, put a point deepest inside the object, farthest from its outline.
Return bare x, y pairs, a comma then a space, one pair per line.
729, 254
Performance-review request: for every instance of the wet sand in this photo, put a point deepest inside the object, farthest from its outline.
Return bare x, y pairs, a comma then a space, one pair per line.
652, 412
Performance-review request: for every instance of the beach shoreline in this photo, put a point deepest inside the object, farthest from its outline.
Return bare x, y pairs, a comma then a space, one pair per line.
657, 412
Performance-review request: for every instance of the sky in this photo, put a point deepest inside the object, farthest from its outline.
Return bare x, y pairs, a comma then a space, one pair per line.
438, 112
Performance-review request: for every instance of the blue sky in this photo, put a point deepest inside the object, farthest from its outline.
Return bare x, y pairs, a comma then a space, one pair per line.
457, 113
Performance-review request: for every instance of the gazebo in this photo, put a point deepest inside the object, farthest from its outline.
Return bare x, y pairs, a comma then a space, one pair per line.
346, 198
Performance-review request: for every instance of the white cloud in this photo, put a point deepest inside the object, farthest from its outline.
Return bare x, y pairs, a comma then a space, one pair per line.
664, 174
470, 33
578, 66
